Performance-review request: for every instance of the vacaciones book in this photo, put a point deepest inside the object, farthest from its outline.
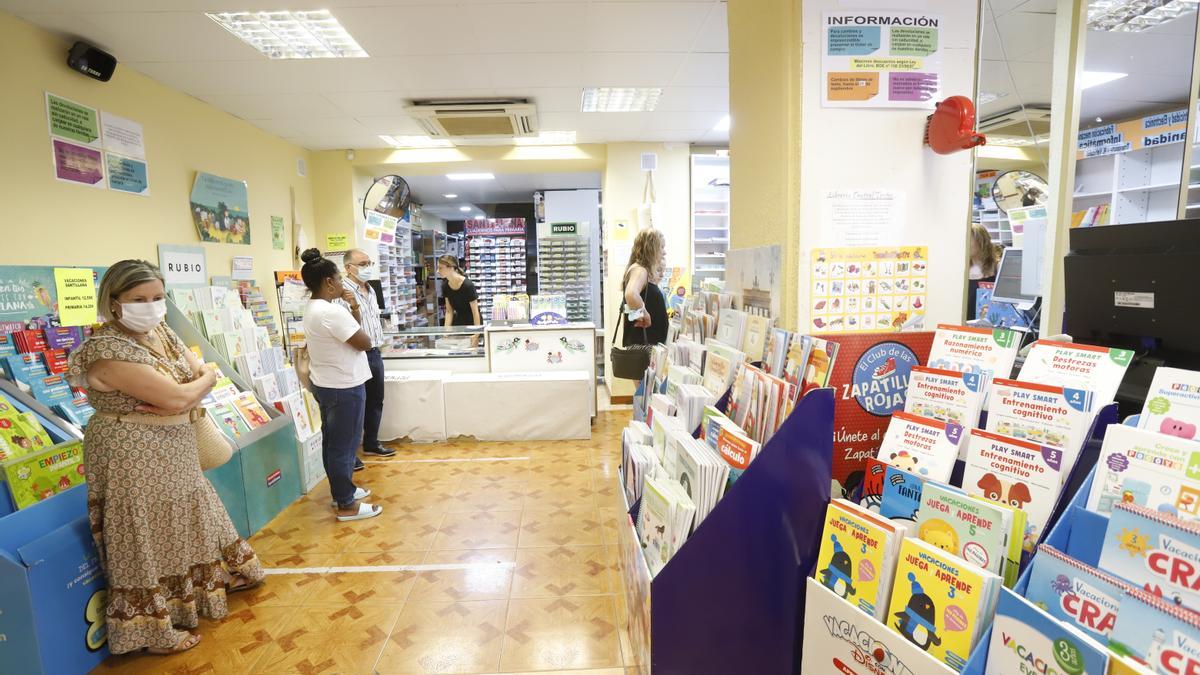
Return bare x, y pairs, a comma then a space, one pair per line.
1024, 634
858, 556
1075, 593
1154, 551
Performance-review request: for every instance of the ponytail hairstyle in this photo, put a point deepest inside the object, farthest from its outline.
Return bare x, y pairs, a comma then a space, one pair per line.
450, 261
316, 269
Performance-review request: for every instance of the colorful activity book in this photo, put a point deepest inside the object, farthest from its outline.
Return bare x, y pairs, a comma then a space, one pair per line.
796, 358
858, 556
946, 395
1076, 366
965, 526
1147, 468
989, 351
665, 520
293, 405
718, 374
921, 445
1173, 404
1075, 593
250, 409
941, 603
228, 420
1157, 634
24, 368
754, 339
44, 473
1042, 414
891, 492
1154, 551
1023, 475
737, 449
1024, 634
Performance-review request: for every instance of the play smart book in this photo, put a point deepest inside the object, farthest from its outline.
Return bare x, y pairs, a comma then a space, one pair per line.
1024, 636
1154, 551
1147, 468
974, 350
1075, 366
940, 603
1020, 474
1042, 414
1173, 404
1075, 593
1163, 637
946, 395
921, 445
858, 556
969, 528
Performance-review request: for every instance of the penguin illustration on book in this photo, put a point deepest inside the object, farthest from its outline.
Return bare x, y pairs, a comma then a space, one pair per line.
837, 577
916, 622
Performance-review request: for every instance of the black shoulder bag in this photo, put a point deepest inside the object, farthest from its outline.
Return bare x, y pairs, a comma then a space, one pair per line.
630, 363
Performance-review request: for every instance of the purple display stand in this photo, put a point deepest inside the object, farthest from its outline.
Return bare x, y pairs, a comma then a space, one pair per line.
731, 599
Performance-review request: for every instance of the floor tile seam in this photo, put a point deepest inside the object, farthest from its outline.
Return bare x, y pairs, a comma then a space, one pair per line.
382, 569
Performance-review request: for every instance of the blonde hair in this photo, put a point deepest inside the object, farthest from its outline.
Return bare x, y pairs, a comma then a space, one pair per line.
121, 277
983, 251
647, 252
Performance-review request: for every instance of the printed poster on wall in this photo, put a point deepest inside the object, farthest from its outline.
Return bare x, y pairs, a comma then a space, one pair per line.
1144, 132
30, 291
221, 209
277, 233
881, 59
126, 174
869, 289
862, 217
74, 163
754, 277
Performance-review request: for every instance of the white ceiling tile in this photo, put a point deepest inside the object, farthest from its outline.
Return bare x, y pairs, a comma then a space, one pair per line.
675, 99
703, 70
714, 34
1000, 7
545, 27
555, 99
630, 70
1024, 32
644, 26
392, 125
170, 36
440, 28
332, 126
682, 121
266, 106
534, 70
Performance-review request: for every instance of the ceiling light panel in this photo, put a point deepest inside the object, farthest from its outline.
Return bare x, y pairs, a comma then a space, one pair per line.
291, 35
1133, 16
416, 142
620, 99
1095, 78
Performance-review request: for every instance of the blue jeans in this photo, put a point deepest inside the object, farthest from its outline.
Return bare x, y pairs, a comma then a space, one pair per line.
374, 409
341, 429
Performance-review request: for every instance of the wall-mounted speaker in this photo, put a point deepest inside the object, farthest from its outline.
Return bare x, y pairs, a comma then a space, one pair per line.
91, 61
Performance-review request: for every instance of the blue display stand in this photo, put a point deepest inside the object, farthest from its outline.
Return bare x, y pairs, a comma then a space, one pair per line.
270, 467
731, 599
51, 589
227, 481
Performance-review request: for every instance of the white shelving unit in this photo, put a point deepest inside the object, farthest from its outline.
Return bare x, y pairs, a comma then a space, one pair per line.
396, 275
994, 221
1139, 186
710, 217
496, 264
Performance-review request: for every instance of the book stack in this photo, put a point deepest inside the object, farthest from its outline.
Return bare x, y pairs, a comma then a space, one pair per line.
858, 556
698, 469
1092, 216
20, 432
664, 521
255, 302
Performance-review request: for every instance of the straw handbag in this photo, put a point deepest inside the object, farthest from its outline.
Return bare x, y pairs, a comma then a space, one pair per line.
212, 446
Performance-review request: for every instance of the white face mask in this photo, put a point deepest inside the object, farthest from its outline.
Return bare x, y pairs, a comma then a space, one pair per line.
364, 273
976, 272
143, 317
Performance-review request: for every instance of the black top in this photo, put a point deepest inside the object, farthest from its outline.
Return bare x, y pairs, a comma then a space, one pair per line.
656, 307
460, 302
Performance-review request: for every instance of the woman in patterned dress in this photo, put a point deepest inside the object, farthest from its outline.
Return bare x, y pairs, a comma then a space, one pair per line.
166, 543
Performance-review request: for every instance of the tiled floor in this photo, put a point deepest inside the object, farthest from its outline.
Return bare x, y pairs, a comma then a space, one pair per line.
506, 563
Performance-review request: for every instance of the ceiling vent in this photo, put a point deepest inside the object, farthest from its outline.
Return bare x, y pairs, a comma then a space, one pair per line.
475, 119
1018, 121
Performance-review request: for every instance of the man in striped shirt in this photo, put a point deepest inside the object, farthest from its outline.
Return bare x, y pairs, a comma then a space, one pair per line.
360, 299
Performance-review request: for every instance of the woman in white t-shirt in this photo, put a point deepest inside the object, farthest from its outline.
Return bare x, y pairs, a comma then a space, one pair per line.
337, 349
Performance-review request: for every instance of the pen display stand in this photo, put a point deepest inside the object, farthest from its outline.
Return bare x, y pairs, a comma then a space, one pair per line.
731, 599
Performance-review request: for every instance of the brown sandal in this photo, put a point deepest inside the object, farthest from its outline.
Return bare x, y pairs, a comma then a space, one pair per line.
183, 645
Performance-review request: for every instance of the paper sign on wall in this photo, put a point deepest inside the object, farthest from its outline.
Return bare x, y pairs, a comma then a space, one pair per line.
74, 163
243, 268
862, 217
76, 296
337, 242
871, 289
126, 174
881, 59
73, 121
277, 233
122, 136
182, 266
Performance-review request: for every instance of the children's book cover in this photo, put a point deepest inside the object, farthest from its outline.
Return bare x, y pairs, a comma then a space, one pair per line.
1154, 551
21, 434
964, 526
1157, 634
737, 450
857, 556
870, 378
946, 395
940, 602
228, 420
45, 473
1173, 404
1077, 366
25, 367
921, 445
974, 350
1147, 468
1042, 414
52, 390
1020, 474
1027, 639
1075, 593
893, 493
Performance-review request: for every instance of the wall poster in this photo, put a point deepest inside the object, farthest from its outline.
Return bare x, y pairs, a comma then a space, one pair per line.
221, 209
881, 59
869, 289
755, 276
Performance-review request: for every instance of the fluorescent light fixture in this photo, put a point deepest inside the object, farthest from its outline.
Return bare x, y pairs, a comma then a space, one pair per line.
1095, 78
464, 209
1134, 16
986, 97
450, 195
547, 138
291, 35
722, 124
471, 176
416, 142
620, 99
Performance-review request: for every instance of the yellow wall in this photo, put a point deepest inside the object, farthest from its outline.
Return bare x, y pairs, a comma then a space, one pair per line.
46, 222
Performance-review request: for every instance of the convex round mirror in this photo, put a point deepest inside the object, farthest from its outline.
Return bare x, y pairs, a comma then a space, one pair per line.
1019, 189
388, 195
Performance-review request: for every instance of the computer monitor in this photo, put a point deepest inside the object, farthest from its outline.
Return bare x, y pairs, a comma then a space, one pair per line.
1008, 281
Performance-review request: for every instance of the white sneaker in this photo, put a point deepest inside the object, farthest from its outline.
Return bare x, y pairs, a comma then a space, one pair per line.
359, 495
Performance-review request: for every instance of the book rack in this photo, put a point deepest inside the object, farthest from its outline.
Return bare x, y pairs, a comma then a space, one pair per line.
731, 599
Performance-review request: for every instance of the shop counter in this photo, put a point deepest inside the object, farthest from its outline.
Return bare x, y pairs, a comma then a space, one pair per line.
526, 348
520, 406
458, 349
413, 406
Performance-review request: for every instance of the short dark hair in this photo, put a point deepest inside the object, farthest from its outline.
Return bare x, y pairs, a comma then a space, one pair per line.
316, 269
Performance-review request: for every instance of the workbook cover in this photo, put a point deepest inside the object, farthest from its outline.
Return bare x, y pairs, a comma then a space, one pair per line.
1147, 468
228, 420
965, 526
250, 409
941, 603
1075, 593
1042, 414
921, 445
1157, 634
1173, 404
1023, 634
1154, 551
946, 395
24, 368
22, 434
1077, 366
858, 556
974, 350
870, 378
42, 474
1023, 475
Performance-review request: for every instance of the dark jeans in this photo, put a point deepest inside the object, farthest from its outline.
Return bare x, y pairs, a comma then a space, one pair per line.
374, 412
341, 429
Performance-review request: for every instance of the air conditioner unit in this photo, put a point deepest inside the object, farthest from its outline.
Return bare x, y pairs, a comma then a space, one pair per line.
475, 119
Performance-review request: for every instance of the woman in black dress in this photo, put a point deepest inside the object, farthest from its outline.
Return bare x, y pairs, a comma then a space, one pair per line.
647, 261
462, 301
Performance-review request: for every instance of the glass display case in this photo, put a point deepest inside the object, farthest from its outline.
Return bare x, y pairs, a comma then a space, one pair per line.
434, 342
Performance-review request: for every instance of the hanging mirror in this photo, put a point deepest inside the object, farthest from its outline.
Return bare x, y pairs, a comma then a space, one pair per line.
389, 195
1019, 189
